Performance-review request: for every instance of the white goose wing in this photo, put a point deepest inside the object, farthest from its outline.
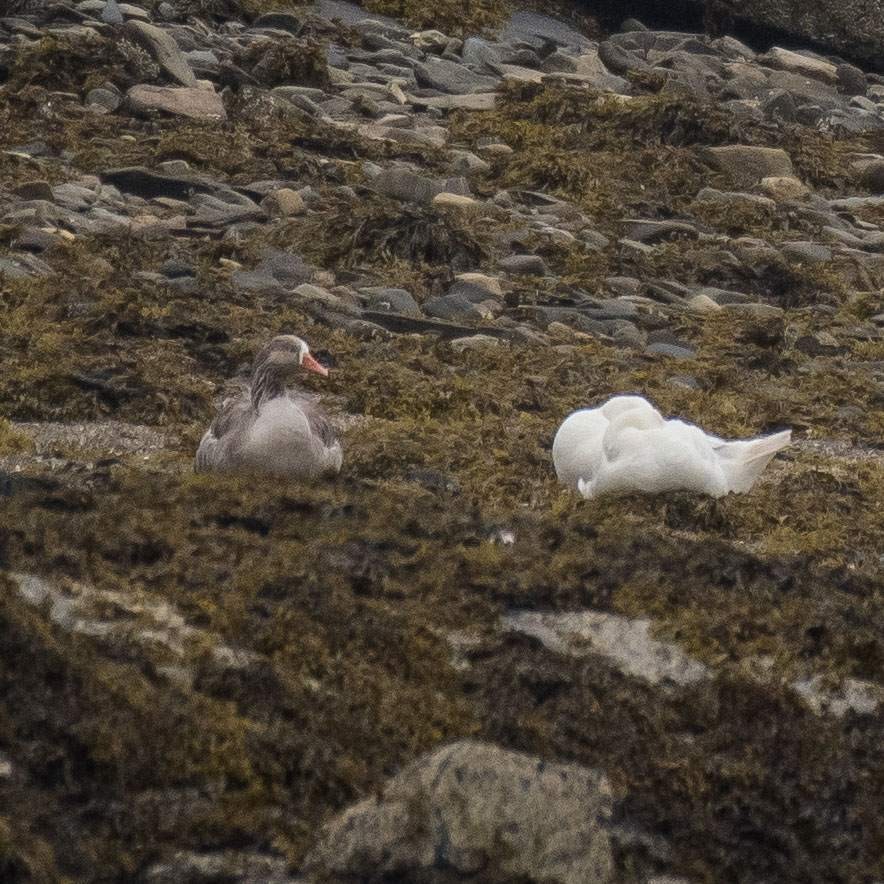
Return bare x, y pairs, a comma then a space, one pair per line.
643, 452
688, 461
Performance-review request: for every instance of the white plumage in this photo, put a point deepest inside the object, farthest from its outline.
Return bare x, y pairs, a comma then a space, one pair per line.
626, 445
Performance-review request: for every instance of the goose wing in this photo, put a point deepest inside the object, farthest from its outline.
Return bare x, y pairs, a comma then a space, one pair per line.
226, 433
320, 426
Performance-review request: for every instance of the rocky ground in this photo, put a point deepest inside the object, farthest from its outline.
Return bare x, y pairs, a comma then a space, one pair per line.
441, 666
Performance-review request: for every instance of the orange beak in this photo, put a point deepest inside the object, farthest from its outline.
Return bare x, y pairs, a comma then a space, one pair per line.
309, 363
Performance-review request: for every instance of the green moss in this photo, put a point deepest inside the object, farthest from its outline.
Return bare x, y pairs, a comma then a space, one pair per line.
611, 157
615, 156
236, 10
286, 60
378, 231
454, 17
12, 441
78, 64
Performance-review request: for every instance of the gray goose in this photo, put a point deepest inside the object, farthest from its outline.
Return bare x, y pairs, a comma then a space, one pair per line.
268, 427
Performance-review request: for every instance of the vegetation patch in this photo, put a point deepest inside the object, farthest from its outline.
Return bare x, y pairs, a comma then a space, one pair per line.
457, 18
640, 155
378, 231
68, 64
286, 60
12, 441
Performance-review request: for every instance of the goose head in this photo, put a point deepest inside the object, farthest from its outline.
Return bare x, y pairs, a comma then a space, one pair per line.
277, 365
618, 405
285, 355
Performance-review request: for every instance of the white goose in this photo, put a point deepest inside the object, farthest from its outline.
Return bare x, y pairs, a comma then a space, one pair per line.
626, 445
269, 428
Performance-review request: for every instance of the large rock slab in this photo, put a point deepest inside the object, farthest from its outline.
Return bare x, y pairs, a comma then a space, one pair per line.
164, 49
148, 184
474, 809
407, 186
796, 63
181, 101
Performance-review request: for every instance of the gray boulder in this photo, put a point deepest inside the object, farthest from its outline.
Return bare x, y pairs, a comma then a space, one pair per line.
390, 300
872, 176
474, 809
403, 184
746, 165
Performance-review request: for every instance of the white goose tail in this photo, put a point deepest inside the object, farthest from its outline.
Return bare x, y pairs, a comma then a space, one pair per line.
585, 488
743, 462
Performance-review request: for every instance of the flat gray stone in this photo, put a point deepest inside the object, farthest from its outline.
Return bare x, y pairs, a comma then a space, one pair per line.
111, 13
735, 200
474, 342
448, 76
535, 28
104, 99
478, 52
797, 63
465, 162
195, 103
456, 307
626, 643
620, 60
223, 865
523, 265
477, 101
652, 232
673, 351
807, 252
256, 281
852, 203
390, 300
204, 59
285, 267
